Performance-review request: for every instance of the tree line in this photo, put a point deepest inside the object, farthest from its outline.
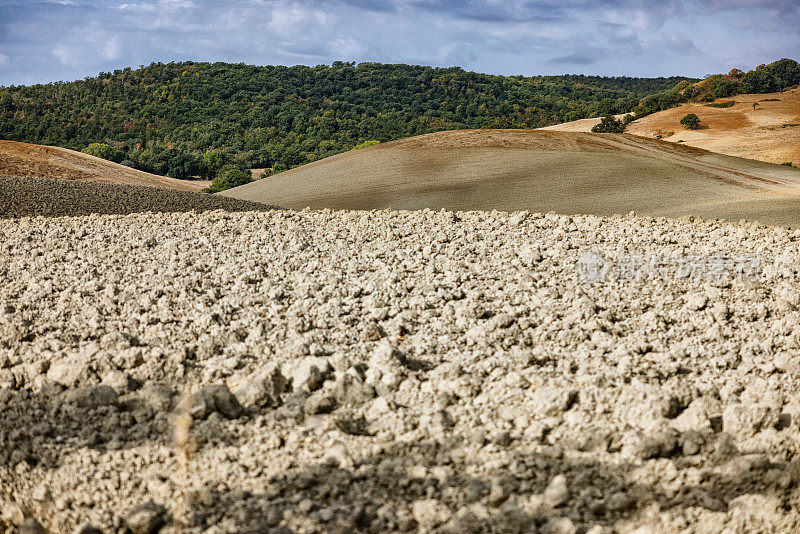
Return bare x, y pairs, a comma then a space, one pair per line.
771, 78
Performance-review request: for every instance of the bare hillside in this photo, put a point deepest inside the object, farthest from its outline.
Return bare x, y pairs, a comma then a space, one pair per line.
769, 132
540, 171
24, 159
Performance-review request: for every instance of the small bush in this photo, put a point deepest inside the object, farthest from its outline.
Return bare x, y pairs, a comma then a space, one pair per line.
691, 121
366, 144
99, 150
229, 176
728, 104
788, 164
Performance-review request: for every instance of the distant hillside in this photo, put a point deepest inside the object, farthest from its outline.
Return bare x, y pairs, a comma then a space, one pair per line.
539, 171
774, 77
764, 127
188, 119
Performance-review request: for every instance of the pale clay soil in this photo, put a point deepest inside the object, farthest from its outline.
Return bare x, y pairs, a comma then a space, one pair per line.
393, 371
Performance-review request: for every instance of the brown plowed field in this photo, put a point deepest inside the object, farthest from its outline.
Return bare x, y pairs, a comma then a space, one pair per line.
24, 159
539, 171
31, 196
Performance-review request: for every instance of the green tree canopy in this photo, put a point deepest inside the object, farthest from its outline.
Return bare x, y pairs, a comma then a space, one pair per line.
229, 176
691, 121
100, 150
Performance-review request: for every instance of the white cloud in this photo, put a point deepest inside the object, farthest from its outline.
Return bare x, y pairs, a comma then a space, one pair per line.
64, 55
346, 48
177, 4
496, 36
297, 21
112, 49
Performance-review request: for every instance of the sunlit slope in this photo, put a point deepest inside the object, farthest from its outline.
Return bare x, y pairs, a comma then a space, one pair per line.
24, 159
769, 132
539, 171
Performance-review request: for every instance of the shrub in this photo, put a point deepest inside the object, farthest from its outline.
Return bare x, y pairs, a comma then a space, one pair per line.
229, 176
365, 144
728, 104
100, 150
691, 121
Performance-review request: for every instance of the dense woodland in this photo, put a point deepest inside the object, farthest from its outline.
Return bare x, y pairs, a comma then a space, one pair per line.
193, 119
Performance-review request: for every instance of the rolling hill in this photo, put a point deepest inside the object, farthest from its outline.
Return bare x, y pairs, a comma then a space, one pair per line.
769, 132
539, 171
23, 159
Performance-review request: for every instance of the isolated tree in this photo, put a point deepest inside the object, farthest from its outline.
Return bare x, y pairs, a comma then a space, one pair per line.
691, 121
609, 124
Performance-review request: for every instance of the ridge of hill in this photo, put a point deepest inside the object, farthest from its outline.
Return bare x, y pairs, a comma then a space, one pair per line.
25, 159
187, 119
539, 171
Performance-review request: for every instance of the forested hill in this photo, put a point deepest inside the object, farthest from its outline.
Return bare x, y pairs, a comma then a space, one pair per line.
187, 119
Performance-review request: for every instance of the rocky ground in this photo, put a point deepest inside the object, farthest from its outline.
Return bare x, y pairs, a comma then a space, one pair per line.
381, 371
27, 196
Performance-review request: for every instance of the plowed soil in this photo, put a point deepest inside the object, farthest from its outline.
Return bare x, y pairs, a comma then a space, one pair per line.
54, 197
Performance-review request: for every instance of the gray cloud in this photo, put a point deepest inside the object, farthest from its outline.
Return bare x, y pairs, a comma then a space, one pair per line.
48, 40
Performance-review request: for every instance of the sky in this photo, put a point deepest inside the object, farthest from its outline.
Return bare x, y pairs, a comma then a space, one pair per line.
50, 40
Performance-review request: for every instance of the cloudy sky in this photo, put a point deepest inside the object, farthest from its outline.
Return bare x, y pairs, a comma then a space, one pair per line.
50, 40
